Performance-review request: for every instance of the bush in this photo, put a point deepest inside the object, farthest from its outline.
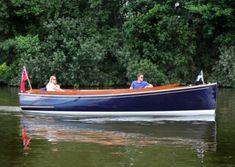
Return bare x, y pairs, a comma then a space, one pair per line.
224, 69
4, 73
29, 54
151, 71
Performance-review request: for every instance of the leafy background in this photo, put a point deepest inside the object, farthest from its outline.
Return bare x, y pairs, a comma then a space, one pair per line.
107, 42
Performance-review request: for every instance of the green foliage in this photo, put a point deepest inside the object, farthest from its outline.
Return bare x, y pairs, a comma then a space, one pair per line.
224, 69
213, 23
82, 51
7, 51
107, 42
28, 51
163, 39
74, 50
4, 73
34, 8
4, 16
209, 10
151, 72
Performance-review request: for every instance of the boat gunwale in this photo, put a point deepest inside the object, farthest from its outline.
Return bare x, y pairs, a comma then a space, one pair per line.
130, 92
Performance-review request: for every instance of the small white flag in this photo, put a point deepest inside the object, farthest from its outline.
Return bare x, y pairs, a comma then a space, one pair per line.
200, 77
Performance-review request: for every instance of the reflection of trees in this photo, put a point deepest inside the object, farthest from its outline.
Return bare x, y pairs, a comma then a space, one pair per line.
10, 148
226, 125
9, 96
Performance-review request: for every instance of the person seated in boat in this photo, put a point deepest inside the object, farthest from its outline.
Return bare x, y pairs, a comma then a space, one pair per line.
52, 85
140, 83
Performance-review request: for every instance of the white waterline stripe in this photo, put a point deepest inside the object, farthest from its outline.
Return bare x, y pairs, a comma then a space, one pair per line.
129, 113
37, 106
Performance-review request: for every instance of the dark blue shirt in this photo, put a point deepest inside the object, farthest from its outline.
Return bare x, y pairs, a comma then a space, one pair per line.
136, 84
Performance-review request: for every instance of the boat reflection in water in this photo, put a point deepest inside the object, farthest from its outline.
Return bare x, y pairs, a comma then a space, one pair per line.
198, 133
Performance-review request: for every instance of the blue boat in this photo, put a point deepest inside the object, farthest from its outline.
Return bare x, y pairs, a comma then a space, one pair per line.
168, 100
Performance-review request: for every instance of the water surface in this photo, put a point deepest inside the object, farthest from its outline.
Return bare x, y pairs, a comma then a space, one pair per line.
134, 141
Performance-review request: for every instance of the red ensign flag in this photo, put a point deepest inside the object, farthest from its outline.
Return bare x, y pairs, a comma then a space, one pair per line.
24, 77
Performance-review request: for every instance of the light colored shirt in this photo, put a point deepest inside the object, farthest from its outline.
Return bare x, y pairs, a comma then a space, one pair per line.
52, 87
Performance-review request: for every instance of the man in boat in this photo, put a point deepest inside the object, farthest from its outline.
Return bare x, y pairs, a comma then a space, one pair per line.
140, 83
52, 85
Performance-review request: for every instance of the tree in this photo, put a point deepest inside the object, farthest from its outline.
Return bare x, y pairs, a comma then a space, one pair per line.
106, 42
224, 69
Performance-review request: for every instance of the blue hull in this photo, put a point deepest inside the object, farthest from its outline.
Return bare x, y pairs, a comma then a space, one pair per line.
179, 100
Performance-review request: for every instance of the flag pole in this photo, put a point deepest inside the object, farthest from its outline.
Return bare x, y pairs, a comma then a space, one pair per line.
203, 78
28, 79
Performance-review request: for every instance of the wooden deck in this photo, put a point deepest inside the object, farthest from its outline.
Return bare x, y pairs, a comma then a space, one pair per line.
101, 91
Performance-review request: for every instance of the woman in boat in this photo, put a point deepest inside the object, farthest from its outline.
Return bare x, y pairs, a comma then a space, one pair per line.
52, 85
140, 83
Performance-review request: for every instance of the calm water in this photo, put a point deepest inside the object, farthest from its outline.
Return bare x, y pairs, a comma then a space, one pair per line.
105, 142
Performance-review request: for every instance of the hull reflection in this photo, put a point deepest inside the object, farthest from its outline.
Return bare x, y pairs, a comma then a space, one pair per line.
197, 134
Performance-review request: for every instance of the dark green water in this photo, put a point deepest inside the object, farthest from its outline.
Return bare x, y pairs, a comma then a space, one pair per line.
109, 142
